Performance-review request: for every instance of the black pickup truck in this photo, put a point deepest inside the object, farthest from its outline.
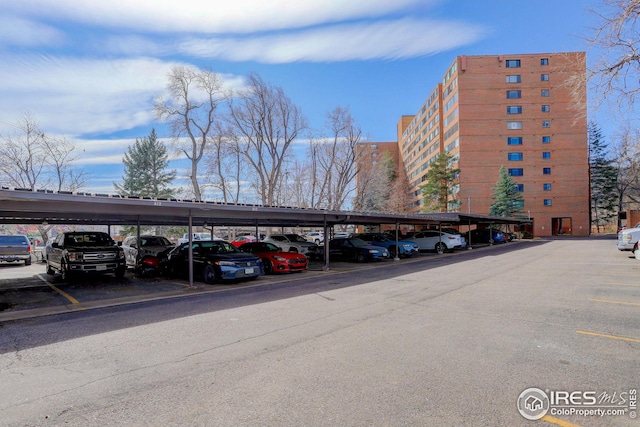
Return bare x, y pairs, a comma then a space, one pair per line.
79, 252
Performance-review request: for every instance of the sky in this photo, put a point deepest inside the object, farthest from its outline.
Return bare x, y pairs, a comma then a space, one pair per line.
89, 71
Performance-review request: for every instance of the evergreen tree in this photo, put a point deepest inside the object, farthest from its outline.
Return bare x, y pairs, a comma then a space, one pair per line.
603, 176
145, 169
508, 200
441, 184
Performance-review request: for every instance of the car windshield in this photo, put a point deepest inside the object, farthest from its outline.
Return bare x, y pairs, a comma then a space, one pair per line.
13, 240
216, 247
88, 239
358, 242
296, 238
155, 241
261, 247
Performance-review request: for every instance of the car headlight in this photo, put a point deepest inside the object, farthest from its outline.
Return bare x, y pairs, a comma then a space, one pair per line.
226, 263
75, 256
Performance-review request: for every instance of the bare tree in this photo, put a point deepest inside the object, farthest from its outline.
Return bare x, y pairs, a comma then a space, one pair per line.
627, 164
23, 162
617, 72
225, 163
337, 160
268, 122
31, 159
60, 156
190, 109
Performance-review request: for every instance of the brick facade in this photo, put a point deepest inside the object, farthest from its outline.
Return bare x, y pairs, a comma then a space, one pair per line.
483, 101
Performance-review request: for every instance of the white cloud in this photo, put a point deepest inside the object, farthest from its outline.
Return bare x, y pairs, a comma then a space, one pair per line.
74, 96
195, 16
399, 39
15, 31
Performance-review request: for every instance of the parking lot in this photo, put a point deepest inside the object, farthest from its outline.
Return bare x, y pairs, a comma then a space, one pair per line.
27, 291
433, 340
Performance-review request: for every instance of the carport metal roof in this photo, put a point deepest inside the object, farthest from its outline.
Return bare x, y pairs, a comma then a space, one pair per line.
20, 206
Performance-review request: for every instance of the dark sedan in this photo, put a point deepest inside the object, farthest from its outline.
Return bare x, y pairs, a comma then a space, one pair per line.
485, 235
213, 261
354, 249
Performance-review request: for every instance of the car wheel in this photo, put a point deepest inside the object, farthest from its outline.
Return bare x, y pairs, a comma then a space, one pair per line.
268, 266
292, 249
120, 272
361, 258
50, 271
27, 261
209, 275
392, 251
65, 274
441, 248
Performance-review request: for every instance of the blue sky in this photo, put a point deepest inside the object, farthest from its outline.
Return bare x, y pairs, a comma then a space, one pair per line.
89, 70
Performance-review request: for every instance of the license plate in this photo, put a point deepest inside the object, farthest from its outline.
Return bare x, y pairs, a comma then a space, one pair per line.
101, 267
248, 270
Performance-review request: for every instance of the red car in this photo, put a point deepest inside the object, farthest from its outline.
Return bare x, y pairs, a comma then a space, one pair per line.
241, 240
274, 260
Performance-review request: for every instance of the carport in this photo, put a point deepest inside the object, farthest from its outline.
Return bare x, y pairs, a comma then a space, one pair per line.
23, 206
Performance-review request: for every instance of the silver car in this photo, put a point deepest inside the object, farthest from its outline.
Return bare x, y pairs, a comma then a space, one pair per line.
433, 240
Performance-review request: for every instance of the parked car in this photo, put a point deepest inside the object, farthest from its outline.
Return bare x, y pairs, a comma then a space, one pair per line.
316, 237
77, 252
274, 260
144, 258
354, 249
485, 235
628, 237
434, 240
196, 237
241, 240
213, 261
294, 243
406, 248
15, 247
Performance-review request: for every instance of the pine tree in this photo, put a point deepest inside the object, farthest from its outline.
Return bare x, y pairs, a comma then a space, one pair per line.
145, 169
603, 176
441, 183
508, 200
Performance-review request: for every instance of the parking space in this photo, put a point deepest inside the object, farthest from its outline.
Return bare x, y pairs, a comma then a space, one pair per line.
27, 291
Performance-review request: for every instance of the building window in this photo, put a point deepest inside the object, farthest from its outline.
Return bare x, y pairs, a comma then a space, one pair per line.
547, 202
544, 92
514, 140
544, 77
544, 61
546, 187
513, 79
546, 154
514, 125
374, 146
513, 94
546, 171
546, 139
519, 188
516, 172
515, 109
546, 123
546, 108
514, 156
512, 63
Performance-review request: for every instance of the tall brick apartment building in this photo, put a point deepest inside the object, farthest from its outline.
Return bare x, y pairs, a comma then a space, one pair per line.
516, 111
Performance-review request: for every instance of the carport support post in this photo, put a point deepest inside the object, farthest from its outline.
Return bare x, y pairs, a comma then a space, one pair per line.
190, 249
397, 254
325, 245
